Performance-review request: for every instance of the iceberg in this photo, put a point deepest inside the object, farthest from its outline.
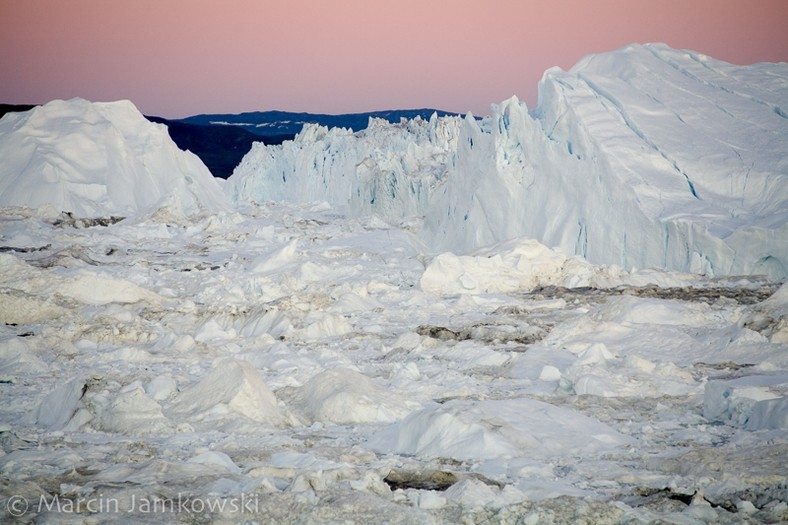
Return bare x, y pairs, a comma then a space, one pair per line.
390, 170
96, 159
645, 157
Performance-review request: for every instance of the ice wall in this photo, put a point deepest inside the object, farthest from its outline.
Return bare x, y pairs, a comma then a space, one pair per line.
643, 157
388, 169
98, 159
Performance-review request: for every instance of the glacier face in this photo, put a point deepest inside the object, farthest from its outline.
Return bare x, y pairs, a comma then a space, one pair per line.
99, 158
387, 169
642, 157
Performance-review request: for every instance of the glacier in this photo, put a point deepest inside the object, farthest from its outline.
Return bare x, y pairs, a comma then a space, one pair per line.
642, 157
95, 159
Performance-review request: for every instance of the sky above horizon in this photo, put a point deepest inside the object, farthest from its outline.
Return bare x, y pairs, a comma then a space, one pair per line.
175, 58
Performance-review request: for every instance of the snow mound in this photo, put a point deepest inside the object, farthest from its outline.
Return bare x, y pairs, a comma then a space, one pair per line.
343, 396
99, 159
58, 406
471, 430
322, 326
232, 388
18, 358
19, 309
101, 289
88, 404
630, 310
776, 307
131, 411
387, 169
779, 300
641, 347
44, 286
517, 265
273, 262
598, 372
216, 459
521, 265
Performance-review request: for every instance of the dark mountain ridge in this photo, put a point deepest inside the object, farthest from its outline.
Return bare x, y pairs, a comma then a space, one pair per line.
267, 123
10, 108
221, 148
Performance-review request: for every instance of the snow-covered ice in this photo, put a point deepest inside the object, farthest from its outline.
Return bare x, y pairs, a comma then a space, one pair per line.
305, 362
752, 401
291, 356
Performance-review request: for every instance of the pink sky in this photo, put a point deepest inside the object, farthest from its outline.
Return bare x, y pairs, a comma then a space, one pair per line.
181, 57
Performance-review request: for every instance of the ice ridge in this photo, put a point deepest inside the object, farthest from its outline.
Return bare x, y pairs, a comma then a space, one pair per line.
642, 157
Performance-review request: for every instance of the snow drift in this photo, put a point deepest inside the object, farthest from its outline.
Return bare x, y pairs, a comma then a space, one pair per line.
642, 157
473, 430
99, 159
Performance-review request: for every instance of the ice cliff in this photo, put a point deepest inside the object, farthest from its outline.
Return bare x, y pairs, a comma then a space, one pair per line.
97, 159
642, 157
388, 169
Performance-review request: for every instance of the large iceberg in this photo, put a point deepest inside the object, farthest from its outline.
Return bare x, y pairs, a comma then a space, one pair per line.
642, 157
387, 169
97, 159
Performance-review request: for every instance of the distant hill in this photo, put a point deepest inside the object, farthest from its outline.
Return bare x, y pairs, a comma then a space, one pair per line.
277, 123
9, 108
221, 148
